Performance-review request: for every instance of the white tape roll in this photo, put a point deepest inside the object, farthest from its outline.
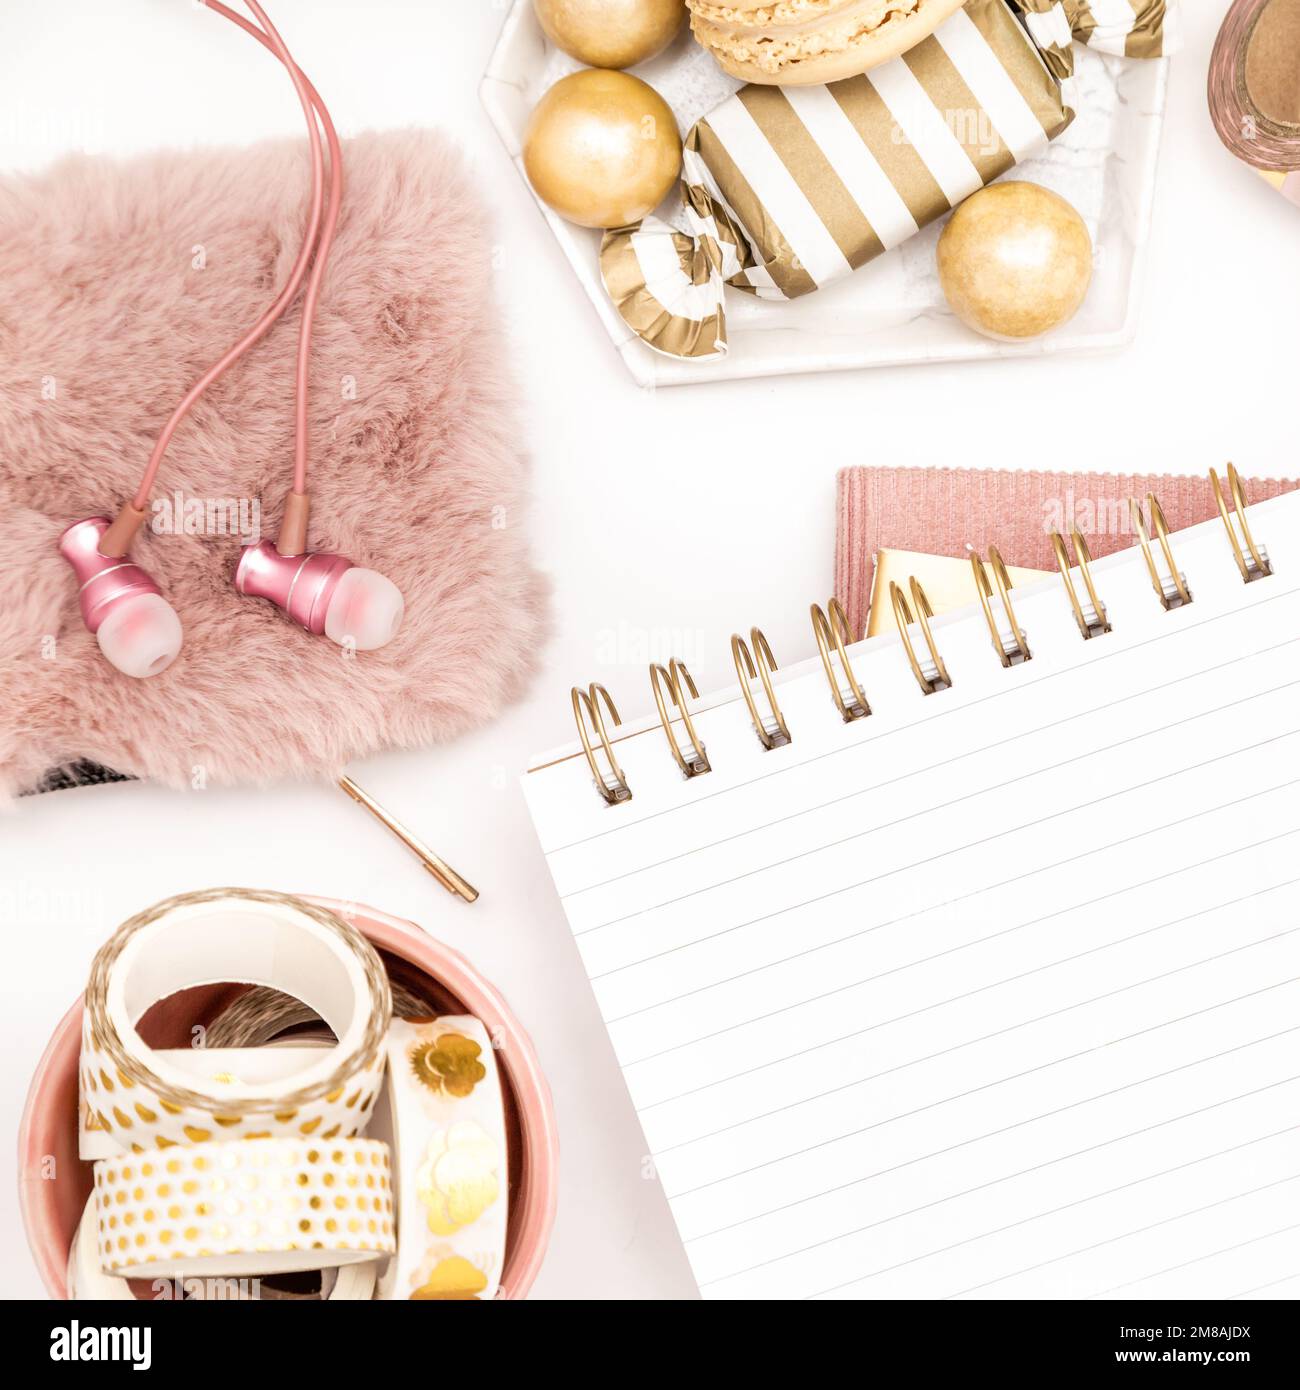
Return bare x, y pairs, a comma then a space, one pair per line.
142, 1099
85, 1278
267, 1207
447, 1114
347, 1284
87, 1282
218, 1069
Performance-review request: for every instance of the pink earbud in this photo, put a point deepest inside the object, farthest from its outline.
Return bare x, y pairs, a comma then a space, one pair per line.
323, 593
137, 629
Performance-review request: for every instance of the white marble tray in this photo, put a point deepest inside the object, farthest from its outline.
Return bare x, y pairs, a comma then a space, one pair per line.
891, 311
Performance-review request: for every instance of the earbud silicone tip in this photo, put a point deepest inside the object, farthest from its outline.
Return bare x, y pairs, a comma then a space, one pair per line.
365, 610
141, 635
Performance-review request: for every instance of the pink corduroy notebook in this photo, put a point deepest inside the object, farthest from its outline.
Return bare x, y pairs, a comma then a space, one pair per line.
942, 511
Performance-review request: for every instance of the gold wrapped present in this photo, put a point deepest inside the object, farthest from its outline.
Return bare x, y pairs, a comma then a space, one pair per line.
786, 189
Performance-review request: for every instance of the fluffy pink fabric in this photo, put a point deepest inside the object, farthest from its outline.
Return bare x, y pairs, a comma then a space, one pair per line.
417, 465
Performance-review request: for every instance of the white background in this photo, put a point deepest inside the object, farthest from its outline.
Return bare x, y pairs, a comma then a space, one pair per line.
666, 521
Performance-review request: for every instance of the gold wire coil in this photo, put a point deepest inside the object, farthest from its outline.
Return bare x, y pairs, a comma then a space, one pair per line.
671, 678
1084, 557
1258, 567
834, 630
1161, 528
985, 591
903, 617
760, 665
612, 785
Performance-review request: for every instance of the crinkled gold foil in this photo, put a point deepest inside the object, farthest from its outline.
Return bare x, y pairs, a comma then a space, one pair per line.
1144, 29
657, 308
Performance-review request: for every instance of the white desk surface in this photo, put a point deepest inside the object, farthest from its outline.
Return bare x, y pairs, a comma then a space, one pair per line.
650, 551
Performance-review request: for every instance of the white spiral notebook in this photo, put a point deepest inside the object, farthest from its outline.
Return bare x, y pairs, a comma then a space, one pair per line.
993, 991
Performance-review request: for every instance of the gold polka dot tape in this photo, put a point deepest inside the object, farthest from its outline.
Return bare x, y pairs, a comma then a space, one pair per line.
139, 1099
269, 1207
88, 1282
444, 1104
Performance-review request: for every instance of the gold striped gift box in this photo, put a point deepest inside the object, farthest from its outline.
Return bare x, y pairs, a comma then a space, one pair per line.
787, 189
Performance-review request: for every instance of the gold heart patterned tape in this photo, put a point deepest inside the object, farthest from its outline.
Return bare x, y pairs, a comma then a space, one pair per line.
88, 1282
786, 189
272, 1206
447, 1116
145, 1099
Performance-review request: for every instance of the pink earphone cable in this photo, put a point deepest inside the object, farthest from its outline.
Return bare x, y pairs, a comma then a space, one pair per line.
314, 250
137, 629
312, 295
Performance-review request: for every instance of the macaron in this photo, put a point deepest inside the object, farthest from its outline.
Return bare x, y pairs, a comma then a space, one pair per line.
805, 42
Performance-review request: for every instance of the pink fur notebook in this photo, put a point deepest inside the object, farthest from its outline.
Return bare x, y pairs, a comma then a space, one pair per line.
941, 511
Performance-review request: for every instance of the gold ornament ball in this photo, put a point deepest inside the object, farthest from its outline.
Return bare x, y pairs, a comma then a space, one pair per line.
602, 148
1014, 260
611, 33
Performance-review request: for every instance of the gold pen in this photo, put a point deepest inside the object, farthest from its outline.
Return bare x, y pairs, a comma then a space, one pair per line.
439, 868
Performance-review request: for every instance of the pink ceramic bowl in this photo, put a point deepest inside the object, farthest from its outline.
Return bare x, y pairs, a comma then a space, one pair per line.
54, 1183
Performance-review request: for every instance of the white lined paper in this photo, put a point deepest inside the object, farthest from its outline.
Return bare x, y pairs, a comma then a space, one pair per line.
995, 993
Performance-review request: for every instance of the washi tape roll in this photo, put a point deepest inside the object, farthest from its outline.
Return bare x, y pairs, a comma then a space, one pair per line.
1254, 89
142, 1099
259, 1017
346, 1284
88, 1282
268, 1207
225, 1069
445, 1106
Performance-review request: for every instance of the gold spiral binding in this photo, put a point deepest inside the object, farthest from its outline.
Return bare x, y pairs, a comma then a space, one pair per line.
835, 631
671, 678
762, 669
612, 785
1084, 556
1258, 566
1181, 592
903, 617
985, 591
